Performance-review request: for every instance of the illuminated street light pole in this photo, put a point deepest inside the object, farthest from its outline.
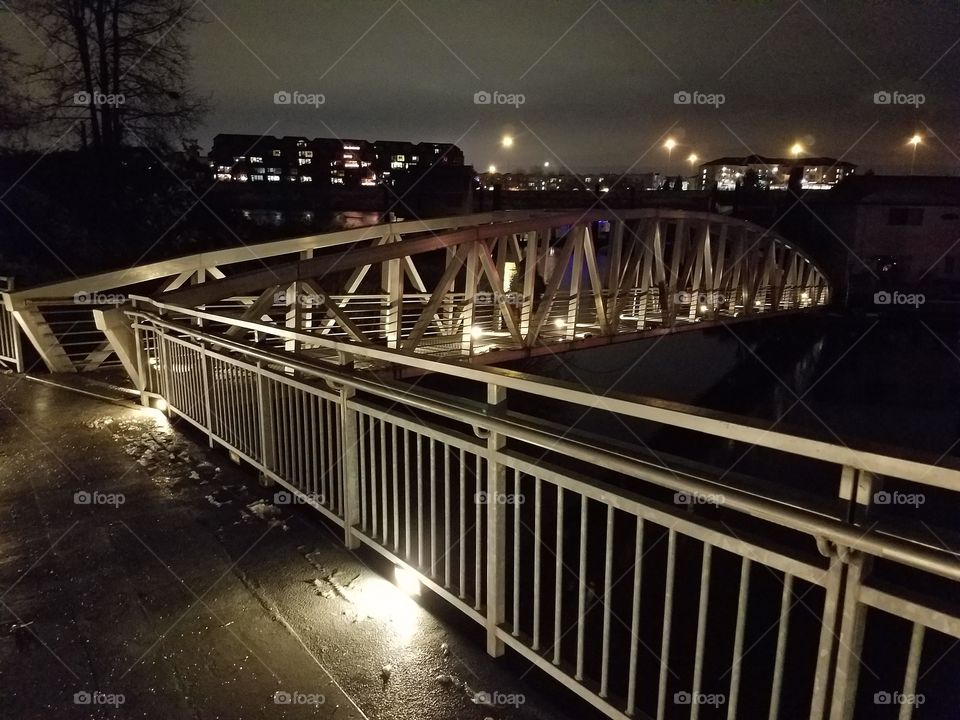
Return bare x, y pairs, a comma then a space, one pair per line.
670, 144
915, 140
796, 150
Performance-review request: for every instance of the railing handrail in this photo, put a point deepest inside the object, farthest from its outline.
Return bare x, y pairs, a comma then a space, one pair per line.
876, 543
659, 411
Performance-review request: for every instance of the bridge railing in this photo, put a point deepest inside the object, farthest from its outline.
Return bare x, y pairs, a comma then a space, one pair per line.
11, 350
643, 584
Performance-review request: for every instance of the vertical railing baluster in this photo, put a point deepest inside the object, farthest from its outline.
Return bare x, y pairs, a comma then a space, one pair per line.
701, 629
607, 602
782, 635
736, 670
667, 618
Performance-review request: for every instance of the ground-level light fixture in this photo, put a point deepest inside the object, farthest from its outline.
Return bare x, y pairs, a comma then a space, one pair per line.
406, 580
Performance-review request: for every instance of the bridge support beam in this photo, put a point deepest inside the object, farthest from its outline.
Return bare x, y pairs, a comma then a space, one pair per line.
122, 340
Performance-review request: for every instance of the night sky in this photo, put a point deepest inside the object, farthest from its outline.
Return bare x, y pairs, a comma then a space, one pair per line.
598, 78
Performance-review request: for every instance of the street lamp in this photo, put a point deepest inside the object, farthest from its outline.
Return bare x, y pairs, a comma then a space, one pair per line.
915, 140
670, 144
692, 159
492, 169
796, 150
507, 141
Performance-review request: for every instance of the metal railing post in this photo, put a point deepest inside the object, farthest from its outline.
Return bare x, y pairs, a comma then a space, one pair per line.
496, 530
350, 492
268, 439
205, 381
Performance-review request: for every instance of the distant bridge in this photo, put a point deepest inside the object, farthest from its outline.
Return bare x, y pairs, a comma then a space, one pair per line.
480, 287
614, 576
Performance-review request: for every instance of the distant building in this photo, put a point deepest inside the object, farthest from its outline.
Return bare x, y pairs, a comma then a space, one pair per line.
594, 182
326, 162
773, 173
902, 231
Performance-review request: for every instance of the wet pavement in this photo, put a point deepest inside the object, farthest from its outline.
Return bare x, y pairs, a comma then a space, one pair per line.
143, 575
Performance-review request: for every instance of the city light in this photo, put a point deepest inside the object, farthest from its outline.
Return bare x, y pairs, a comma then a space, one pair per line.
546, 164
670, 144
692, 159
492, 169
507, 141
796, 150
915, 141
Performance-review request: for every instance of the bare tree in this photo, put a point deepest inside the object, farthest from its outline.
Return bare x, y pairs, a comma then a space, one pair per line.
115, 67
13, 116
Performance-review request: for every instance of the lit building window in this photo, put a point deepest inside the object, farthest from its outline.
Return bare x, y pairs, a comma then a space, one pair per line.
256, 178
256, 159
337, 180
414, 158
306, 178
351, 147
273, 178
351, 164
224, 176
304, 161
306, 153
276, 153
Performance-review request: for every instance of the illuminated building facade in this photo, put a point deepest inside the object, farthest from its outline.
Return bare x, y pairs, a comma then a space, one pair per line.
326, 162
773, 173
